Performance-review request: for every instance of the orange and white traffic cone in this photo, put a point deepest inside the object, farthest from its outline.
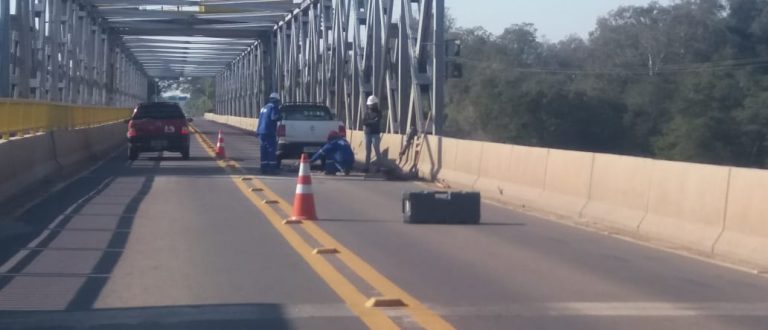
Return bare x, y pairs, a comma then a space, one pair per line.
220, 151
304, 201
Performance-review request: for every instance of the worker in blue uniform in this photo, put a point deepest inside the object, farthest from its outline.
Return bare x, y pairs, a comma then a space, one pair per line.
338, 154
267, 131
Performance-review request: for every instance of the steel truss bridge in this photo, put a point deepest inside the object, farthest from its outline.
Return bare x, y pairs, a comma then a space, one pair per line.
112, 52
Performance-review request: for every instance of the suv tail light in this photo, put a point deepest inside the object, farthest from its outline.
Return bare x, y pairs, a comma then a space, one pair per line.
131, 129
281, 130
342, 131
184, 130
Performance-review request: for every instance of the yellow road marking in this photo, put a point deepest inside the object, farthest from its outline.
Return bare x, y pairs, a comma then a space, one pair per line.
355, 300
418, 311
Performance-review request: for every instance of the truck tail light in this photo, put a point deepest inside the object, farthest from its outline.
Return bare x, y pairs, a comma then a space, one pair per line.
281, 130
342, 131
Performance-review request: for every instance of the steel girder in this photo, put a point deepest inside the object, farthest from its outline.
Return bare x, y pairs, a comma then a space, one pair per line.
339, 52
62, 51
175, 38
104, 51
332, 51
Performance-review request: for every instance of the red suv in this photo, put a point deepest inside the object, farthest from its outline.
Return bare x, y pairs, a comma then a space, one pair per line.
158, 126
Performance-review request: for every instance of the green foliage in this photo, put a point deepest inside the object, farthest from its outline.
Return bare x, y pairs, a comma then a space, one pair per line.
686, 81
201, 90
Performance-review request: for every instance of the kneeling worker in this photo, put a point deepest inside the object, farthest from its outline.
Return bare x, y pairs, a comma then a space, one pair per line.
338, 155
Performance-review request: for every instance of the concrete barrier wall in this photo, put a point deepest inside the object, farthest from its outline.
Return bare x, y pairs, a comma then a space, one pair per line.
460, 166
619, 191
567, 183
28, 160
391, 145
31, 160
429, 162
512, 174
248, 124
712, 209
686, 203
493, 174
746, 221
71, 147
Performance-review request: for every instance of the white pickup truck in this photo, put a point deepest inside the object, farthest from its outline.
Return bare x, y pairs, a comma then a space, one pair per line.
304, 129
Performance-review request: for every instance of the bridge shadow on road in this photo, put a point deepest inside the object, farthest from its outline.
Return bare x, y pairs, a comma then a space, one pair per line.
63, 251
379, 221
239, 316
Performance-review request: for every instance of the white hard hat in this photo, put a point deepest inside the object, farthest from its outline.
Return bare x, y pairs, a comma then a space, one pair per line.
372, 100
274, 96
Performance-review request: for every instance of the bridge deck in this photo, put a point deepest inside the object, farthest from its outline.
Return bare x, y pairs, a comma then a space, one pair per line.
174, 244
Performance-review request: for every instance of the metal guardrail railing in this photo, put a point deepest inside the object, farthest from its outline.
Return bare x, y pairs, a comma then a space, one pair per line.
24, 117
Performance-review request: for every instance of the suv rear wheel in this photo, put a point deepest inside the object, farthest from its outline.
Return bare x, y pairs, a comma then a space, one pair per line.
133, 154
185, 154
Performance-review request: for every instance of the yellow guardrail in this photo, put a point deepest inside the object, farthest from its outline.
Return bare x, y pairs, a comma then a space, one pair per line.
22, 117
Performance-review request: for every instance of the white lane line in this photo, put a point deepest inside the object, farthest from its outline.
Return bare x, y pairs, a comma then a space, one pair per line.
179, 314
90, 230
99, 214
613, 309
159, 315
72, 249
21, 254
55, 275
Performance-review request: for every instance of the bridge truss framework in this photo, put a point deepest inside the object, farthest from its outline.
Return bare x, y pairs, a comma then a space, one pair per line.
338, 52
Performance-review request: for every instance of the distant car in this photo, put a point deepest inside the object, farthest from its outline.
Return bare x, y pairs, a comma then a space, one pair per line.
158, 126
304, 129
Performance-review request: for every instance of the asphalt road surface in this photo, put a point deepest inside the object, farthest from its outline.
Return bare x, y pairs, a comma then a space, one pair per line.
162, 243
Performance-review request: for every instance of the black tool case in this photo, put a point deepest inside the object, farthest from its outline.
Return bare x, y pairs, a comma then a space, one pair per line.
441, 207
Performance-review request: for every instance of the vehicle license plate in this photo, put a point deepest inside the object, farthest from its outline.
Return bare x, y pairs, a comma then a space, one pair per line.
158, 144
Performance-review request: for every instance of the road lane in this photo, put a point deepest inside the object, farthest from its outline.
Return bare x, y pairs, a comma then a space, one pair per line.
169, 244
517, 270
161, 243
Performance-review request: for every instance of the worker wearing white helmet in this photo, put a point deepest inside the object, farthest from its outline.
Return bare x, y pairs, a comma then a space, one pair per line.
372, 129
267, 131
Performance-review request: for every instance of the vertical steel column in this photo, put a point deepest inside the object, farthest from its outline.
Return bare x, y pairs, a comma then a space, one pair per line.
252, 82
104, 67
404, 75
42, 50
438, 62
5, 48
23, 71
216, 94
241, 86
111, 74
56, 26
81, 31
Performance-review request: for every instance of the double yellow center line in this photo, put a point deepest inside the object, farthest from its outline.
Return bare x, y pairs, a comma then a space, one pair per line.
375, 318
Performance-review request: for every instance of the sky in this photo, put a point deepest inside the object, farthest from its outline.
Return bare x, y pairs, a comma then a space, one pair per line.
555, 19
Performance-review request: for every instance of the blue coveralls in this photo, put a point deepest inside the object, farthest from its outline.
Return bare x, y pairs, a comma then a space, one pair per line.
339, 156
267, 131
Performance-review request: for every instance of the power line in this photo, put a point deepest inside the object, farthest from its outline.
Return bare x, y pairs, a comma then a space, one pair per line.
737, 64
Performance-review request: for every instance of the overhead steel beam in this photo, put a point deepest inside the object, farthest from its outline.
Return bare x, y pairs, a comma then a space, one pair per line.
195, 32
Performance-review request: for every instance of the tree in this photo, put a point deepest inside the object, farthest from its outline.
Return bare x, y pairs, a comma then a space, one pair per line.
201, 92
686, 81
